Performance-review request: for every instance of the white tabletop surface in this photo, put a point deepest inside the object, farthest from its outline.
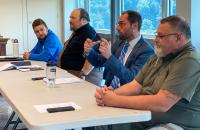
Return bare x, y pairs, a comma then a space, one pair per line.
22, 94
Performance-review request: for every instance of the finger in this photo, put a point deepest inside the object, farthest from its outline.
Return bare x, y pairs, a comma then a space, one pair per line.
88, 40
110, 88
97, 95
99, 102
102, 49
98, 92
102, 105
95, 43
104, 41
105, 87
98, 89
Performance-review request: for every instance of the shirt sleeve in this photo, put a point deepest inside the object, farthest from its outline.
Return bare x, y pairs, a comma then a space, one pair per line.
47, 52
35, 49
183, 78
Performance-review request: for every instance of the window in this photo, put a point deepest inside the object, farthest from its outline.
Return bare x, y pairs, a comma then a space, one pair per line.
81, 3
173, 7
151, 11
99, 11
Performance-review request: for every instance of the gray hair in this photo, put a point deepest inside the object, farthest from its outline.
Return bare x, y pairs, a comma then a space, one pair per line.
179, 24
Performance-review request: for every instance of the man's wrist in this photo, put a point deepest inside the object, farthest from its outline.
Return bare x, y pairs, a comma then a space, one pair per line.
82, 74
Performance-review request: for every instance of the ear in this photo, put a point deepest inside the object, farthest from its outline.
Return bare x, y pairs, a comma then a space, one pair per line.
179, 36
83, 21
134, 25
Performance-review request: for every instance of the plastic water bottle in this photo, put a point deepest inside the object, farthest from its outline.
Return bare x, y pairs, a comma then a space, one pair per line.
15, 48
51, 74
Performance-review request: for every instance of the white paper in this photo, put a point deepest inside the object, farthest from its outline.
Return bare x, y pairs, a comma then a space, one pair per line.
9, 66
65, 80
29, 67
43, 108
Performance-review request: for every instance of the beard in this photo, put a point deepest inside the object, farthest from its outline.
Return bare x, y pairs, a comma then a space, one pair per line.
159, 51
122, 36
71, 28
41, 37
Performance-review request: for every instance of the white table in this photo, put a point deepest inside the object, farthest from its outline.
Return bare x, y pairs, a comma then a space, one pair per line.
22, 94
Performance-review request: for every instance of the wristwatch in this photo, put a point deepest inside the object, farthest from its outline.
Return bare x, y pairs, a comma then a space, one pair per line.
82, 75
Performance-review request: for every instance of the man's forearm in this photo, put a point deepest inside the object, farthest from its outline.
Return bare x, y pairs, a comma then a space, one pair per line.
129, 89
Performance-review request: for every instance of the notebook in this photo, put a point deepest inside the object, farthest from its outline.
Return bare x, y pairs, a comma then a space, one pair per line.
20, 65
10, 58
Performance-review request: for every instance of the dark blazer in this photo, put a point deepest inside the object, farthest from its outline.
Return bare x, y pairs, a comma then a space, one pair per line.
126, 73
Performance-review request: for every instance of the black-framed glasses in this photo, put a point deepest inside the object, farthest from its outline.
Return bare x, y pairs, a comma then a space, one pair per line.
160, 36
121, 23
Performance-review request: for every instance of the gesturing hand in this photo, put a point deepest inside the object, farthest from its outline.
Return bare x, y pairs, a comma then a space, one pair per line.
105, 48
88, 44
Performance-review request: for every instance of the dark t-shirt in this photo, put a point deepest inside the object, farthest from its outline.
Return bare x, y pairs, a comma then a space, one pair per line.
178, 73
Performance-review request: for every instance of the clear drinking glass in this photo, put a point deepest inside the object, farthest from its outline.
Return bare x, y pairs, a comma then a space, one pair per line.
51, 74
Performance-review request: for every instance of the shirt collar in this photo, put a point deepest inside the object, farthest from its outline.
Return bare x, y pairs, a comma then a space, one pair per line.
82, 28
133, 42
178, 51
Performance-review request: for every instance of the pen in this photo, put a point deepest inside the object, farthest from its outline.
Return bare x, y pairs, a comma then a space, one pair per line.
38, 78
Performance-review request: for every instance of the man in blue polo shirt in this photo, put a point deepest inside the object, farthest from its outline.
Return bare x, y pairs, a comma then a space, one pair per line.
48, 46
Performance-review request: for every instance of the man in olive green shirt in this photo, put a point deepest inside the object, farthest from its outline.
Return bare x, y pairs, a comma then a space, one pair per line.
168, 85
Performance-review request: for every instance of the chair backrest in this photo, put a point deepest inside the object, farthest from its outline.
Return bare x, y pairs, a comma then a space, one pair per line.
149, 40
105, 36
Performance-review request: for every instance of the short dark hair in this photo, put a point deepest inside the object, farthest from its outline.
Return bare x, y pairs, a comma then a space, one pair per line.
134, 16
38, 22
178, 23
84, 14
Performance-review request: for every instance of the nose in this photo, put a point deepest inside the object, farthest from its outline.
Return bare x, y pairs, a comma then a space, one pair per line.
40, 32
70, 20
118, 28
156, 41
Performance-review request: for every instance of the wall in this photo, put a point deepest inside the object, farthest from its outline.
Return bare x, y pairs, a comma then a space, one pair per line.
11, 13
17, 17
69, 5
190, 10
195, 22
183, 8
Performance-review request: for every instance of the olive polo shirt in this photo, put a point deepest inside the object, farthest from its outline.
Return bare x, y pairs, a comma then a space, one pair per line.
178, 73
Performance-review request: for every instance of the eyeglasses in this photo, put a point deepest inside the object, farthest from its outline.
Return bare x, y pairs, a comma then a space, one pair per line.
160, 36
121, 24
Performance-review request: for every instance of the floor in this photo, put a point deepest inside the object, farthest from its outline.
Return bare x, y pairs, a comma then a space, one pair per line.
4, 112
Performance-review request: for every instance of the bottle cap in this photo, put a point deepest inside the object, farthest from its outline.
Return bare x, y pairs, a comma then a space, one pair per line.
15, 41
50, 63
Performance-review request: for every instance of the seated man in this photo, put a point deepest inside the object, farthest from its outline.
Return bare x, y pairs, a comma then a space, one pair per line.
120, 66
72, 57
48, 46
168, 85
